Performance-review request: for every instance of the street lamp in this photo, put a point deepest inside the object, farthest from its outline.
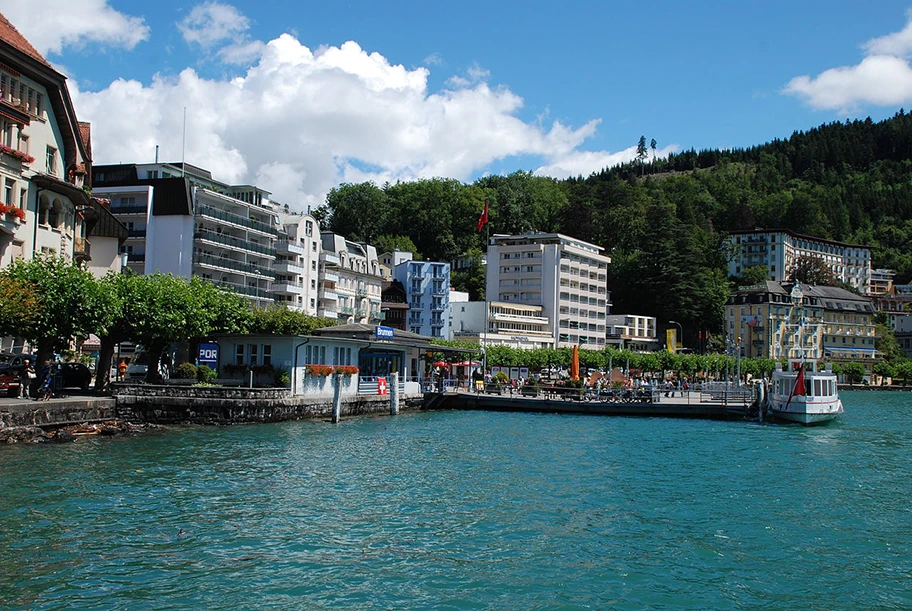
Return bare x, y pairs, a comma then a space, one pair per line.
681, 341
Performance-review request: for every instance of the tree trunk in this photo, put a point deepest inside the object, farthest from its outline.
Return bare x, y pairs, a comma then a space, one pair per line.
105, 358
153, 357
45, 352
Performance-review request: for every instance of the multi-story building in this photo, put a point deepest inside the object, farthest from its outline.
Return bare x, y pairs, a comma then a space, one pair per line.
297, 277
427, 284
182, 221
499, 323
782, 321
779, 249
351, 281
394, 303
881, 282
632, 332
45, 163
565, 276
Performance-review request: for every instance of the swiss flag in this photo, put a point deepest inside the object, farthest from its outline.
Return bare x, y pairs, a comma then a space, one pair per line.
483, 219
381, 386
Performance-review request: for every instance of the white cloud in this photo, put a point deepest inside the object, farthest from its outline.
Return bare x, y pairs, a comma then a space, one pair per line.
211, 23
63, 23
883, 77
879, 79
583, 163
897, 43
300, 121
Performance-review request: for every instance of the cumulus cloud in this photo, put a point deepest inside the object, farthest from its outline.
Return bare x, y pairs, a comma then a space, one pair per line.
64, 23
883, 77
298, 121
211, 23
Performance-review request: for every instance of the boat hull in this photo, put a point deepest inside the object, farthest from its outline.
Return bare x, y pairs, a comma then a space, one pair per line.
809, 418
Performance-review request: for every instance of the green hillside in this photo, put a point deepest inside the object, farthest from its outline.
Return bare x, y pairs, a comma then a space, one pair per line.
664, 222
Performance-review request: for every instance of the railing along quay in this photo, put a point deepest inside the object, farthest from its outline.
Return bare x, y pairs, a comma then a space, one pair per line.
710, 403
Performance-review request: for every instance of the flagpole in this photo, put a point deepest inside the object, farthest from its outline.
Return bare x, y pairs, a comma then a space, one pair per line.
484, 337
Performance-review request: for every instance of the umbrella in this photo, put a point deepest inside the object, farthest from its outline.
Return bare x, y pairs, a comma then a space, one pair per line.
574, 364
441, 364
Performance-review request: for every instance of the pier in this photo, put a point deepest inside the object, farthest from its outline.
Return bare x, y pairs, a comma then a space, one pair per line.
727, 405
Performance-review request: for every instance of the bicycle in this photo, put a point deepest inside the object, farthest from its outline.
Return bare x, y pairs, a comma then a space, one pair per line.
46, 392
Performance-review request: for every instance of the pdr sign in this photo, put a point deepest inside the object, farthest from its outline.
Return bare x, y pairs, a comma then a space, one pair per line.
208, 355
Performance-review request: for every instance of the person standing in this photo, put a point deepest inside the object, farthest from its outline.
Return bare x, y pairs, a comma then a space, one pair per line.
26, 375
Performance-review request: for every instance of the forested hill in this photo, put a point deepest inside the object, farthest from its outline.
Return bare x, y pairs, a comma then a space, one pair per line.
664, 221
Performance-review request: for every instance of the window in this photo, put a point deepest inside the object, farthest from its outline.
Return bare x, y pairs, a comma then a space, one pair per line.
252, 349
23, 142
313, 265
313, 247
23, 199
6, 134
51, 160
9, 187
308, 228
267, 354
239, 354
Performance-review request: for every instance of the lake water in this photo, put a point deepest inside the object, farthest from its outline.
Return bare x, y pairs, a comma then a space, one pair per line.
469, 510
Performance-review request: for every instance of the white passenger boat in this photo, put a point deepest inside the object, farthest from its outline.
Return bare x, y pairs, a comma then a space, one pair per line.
803, 394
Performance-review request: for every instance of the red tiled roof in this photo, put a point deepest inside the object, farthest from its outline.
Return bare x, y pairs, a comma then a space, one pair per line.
85, 134
11, 36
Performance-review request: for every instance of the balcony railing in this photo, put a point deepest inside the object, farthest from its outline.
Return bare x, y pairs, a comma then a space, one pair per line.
82, 248
225, 263
346, 310
237, 219
243, 290
130, 209
378, 315
136, 233
211, 236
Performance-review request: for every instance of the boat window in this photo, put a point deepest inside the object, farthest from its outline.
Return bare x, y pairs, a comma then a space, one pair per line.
817, 389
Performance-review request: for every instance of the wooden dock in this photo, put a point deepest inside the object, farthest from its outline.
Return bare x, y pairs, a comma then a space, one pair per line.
683, 405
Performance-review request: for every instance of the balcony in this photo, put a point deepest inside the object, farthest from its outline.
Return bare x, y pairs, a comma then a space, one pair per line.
329, 296
236, 219
217, 238
131, 209
347, 310
288, 247
327, 313
333, 278
378, 315
243, 290
289, 268
136, 233
361, 292
360, 312
330, 258
287, 289
82, 249
211, 261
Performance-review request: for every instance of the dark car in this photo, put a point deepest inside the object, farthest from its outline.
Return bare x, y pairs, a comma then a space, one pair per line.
74, 375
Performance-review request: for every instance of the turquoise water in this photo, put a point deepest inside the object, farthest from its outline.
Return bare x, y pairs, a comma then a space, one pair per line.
468, 510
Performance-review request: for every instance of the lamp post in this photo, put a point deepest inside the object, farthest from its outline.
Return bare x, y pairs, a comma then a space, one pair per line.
681, 328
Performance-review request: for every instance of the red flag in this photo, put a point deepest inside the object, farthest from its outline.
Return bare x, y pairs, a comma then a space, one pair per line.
799, 386
483, 219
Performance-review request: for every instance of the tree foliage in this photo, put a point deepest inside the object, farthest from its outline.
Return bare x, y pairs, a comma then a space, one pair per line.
68, 302
280, 320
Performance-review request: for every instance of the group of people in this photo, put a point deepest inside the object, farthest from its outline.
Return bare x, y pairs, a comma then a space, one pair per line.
27, 377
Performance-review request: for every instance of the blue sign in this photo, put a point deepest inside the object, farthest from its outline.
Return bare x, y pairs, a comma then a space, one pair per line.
384, 332
208, 355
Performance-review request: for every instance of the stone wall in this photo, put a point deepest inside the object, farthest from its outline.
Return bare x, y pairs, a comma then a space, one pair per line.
166, 404
57, 412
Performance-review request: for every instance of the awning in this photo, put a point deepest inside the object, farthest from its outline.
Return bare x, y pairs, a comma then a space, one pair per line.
92, 343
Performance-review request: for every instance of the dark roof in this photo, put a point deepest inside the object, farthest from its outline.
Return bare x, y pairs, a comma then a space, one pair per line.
104, 224
368, 332
802, 236
171, 196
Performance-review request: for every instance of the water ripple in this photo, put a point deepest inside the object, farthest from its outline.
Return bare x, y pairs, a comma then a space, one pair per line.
468, 511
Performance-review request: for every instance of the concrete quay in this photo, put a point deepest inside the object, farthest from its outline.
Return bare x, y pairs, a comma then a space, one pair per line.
684, 405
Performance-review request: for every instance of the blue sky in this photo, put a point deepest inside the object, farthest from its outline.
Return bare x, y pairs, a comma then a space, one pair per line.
277, 94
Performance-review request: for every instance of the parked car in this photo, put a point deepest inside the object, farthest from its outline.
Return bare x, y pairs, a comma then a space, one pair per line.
75, 375
138, 367
10, 365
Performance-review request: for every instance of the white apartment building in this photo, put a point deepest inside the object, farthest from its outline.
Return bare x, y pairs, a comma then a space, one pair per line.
565, 276
297, 278
45, 157
508, 324
182, 221
779, 249
632, 332
350, 281
881, 282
